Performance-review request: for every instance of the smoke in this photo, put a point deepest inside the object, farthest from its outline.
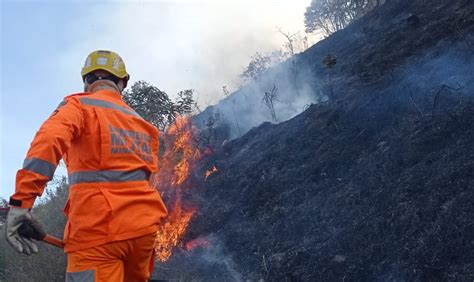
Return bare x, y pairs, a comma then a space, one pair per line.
438, 81
203, 262
202, 45
214, 255
294, 85
447, 63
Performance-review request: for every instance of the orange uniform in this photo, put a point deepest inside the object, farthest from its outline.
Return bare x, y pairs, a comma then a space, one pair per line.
110, 152
126, 260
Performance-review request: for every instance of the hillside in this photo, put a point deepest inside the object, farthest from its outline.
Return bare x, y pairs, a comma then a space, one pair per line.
374, 184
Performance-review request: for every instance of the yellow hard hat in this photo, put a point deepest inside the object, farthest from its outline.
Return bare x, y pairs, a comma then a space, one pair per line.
105, 60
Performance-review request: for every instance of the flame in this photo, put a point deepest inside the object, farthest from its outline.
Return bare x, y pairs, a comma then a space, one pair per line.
170, 232
184, 144
182, 172
211, 171
198, 242
179, 158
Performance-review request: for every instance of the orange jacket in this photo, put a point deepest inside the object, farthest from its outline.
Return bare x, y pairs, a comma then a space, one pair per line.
110, 152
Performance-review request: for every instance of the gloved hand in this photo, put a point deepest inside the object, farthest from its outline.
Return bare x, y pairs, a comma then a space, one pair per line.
15, 218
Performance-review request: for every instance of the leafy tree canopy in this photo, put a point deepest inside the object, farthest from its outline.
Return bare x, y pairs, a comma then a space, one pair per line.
259, 63
155, 106
333, 15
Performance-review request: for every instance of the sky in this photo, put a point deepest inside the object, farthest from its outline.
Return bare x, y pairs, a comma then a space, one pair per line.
173, 45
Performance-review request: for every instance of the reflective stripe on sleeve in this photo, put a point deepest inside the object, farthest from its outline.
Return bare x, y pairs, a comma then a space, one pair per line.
64, 102
107, 176
107, 105
40, 166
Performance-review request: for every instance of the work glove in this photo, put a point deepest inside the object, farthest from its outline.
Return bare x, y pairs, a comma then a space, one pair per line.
15, 219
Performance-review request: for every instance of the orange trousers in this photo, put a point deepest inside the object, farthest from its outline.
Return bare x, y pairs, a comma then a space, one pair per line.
127, 260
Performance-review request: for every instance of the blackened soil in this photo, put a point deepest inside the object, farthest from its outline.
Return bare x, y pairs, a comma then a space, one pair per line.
374, 185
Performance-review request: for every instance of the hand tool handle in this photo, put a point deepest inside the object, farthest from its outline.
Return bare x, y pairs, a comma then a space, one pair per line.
54, 241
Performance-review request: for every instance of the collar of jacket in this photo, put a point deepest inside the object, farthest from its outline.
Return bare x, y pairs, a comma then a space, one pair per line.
102, 84
110, 93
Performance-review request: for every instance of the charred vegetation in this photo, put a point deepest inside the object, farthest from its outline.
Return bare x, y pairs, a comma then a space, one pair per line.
375, 184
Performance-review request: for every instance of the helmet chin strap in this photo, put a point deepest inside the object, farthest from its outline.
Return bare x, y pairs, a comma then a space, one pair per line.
101, 85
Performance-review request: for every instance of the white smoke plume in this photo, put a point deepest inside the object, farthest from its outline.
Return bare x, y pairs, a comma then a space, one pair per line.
201, 45
246, 108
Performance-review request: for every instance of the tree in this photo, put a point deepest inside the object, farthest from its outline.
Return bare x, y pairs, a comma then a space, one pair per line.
155, 106
268, 99
333, 15
294, 43
259, 63
185, 103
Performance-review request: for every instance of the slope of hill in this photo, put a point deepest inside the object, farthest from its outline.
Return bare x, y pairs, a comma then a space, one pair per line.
375, 184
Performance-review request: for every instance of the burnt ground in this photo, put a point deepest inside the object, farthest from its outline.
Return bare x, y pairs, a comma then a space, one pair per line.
376, 184
364, 205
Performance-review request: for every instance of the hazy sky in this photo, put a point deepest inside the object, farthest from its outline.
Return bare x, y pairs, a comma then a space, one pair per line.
173, 45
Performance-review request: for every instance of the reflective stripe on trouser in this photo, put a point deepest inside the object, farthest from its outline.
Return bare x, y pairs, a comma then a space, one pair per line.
126, 260
107, 176
81, 276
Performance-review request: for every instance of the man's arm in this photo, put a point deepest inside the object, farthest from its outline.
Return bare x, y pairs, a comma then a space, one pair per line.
48, 147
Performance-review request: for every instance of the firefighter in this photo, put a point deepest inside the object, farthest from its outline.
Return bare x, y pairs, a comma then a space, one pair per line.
110, 152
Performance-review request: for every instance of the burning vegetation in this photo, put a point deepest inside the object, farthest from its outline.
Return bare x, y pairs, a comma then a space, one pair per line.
180, 156
211, 171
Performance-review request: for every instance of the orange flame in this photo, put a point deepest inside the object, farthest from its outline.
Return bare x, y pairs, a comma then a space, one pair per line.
211, 171
170, 232
182, 171
184, 145
179, 158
